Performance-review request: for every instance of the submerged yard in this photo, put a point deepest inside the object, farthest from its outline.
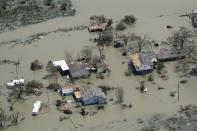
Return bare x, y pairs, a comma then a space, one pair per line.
152, 18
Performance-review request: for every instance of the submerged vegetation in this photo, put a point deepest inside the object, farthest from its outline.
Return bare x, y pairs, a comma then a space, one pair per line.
17, 13
108, 38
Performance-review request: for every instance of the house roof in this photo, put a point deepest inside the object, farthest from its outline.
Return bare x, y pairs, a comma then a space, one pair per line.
78, 69
135, 59
71, 85
77, 94
62, 64
90, 91
102, 26
195, 19
147, 57
165, 53
143, 58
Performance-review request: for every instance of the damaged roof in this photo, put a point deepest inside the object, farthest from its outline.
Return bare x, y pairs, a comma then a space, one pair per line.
77, 69
143, 58
90, 91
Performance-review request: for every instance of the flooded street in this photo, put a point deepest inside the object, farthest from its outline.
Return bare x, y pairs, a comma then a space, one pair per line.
152, 18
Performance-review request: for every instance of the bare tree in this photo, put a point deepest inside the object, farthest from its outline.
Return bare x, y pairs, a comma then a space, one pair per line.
101, 54
106, 38
68, 56
87, 53
120, 94
15, 117
136, 43
52, 70
181, 40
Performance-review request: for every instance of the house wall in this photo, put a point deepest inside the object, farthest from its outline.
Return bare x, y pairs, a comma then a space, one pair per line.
141, 70
94, 100
95, 30
63, 73
194, 23
66, 92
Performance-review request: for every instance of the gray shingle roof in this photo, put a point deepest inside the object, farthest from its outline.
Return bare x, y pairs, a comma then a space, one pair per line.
77, 70
91, 91
146, 57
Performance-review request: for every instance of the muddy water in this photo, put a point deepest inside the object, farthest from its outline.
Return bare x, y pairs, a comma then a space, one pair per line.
52, 47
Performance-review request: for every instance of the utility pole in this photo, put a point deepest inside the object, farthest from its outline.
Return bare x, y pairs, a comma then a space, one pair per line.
16, 70
178, 91
48, 97
72, 122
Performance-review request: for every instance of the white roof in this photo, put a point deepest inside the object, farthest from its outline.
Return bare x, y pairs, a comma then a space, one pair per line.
194, 11
67, 91
37, 106
19, 81
62, 64
16, 82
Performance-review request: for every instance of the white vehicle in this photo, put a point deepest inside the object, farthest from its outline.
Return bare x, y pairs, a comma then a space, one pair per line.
15, 82
36, 108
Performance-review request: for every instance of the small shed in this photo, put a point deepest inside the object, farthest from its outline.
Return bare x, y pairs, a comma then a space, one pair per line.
61, 66
69, 89
90, 95
78, 70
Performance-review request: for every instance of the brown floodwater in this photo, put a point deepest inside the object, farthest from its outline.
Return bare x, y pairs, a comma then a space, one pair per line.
153, 16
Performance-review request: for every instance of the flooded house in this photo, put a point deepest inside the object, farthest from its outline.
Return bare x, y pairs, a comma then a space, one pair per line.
61, 66
194, 18
69, 89
142, 62
97, 27
193, 14
90, 95
78, 70
165, 54
194, 22
77, 96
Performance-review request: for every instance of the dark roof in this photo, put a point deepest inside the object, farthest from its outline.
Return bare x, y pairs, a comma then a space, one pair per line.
77, 70
168, 54
146, 57
90, 91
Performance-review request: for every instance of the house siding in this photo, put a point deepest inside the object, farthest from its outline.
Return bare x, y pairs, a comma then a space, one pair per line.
94, 100
194, 23
141, 69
